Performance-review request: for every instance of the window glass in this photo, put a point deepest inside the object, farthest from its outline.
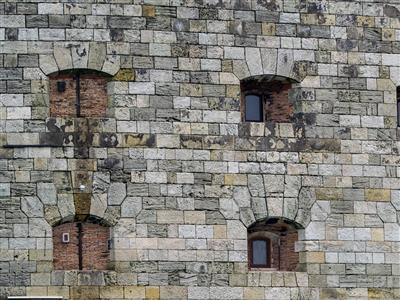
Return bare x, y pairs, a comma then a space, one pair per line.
253, 108
398, 106
259, 252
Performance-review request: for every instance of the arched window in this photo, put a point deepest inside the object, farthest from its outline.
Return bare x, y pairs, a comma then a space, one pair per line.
78, 93
266, 99
81, 246
271, 244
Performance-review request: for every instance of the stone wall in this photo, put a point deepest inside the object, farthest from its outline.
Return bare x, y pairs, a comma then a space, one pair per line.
173, 169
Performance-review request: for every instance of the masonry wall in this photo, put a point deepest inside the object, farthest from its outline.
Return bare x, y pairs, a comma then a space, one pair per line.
172, 168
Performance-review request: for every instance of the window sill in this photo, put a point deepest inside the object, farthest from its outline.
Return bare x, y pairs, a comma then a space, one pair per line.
265, 269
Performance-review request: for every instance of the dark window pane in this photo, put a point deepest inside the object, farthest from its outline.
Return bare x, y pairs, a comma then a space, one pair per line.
259, 252
253, 108
398, 106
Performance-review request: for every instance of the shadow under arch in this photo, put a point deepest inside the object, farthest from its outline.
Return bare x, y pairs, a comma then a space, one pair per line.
275, 221
83, 219
80, 71
270, 78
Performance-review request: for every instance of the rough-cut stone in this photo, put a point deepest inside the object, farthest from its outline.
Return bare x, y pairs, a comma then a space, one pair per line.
47, 193
169, 164
32, 207
116, 193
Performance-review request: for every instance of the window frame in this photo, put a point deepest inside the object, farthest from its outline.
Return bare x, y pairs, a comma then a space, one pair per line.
261, 106
251, 254
398, 105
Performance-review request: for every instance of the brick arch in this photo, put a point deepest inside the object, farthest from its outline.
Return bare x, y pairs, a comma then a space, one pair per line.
91, 55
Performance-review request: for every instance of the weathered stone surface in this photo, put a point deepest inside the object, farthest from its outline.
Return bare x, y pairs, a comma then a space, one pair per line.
173, 168
32, 207
131, 207
47, 193
116, 193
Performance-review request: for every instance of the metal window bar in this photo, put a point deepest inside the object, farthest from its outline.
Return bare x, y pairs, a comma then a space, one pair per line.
398, 105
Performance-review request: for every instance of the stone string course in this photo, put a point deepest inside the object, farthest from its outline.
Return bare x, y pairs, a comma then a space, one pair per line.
174, 170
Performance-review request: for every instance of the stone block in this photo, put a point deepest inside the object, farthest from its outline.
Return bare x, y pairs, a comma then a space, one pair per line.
377, 195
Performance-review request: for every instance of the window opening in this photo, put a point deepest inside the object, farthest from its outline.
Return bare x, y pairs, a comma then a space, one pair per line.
398, 106
78, 93
86, 248
271, 244
266, 99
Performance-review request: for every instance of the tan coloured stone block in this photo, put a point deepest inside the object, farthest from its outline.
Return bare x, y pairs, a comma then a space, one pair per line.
44, 266
318, 19
268, 29
377, 234
219, 231
111, 292
152, 292
125, 255
169, 217
58, 291
232, 91
238, 279
40, 255
148, 10
333, 294
138, 140
315, 257
329, 194
22, 176
195, 217
134, 292
385, 85
40, 164
40, 279
84, 292
251, 293
377, 195
277, 279
289, 279
36, 291
235, 179
124, 75
173, 292
379, 293
365, 21
195, 90
388, 34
